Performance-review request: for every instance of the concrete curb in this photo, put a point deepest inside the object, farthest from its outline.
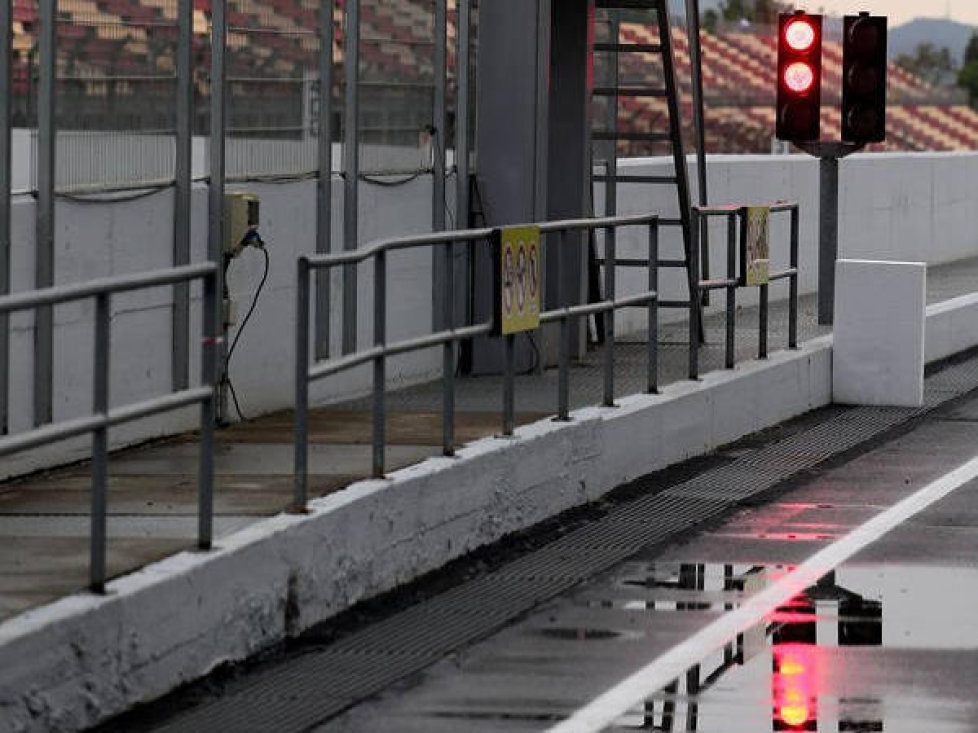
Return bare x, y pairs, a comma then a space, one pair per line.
85, 658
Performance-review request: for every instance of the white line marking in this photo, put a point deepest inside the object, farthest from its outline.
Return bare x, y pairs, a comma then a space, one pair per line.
633, 690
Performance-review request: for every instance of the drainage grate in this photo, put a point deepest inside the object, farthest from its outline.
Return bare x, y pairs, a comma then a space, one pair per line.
301, 692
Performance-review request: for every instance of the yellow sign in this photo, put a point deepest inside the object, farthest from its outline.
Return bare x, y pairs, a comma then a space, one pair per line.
757, 257
520, 279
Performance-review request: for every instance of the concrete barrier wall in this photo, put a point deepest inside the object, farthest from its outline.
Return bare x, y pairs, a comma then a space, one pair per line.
894, 206
111, 239
899, 206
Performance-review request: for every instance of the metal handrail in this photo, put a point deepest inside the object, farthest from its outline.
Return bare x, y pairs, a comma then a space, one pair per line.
103, 417
448, 337
732, 282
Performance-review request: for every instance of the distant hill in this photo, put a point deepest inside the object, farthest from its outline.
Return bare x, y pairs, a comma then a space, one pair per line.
940, 32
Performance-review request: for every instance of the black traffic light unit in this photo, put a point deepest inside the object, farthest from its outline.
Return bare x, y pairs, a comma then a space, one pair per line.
864, 78
799, 77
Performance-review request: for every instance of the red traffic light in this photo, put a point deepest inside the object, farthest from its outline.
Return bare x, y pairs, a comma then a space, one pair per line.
800, 34
799, 92
799, 77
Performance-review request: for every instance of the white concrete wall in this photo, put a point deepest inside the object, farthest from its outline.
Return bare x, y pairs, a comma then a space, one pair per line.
900, 206
894, 206
110, 239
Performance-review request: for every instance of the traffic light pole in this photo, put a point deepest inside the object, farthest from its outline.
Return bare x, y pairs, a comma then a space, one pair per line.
829, 154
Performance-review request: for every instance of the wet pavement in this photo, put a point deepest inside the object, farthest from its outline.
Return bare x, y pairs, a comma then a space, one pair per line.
153, 489
885, 641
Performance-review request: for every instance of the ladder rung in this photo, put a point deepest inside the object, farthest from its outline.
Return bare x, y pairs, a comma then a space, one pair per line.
629, 47
636, 179
627, 92
661, 137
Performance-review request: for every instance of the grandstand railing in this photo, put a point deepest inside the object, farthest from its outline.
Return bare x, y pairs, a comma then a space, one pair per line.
103, 417
447, 338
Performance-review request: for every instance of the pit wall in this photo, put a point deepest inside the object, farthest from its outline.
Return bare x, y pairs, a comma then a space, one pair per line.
894, 206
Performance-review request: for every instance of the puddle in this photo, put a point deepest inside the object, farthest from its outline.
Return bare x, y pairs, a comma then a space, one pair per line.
579, 634
862, 650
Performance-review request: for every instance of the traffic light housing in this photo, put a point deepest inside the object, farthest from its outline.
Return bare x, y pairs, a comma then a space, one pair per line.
864, 78
799, 77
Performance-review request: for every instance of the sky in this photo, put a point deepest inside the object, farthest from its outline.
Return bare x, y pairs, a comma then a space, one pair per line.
899, 11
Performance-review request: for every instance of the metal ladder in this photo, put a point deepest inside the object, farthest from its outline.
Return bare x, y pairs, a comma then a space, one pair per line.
604, 141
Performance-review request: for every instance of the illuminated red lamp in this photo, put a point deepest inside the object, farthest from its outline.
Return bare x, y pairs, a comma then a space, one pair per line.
800, 34
799, 77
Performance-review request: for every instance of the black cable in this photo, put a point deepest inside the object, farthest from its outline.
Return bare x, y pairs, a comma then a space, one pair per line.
386, 183
241, 328
105, 197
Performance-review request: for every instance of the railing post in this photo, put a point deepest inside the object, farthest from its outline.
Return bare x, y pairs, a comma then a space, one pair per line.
731, 288
300, 472
653, 334
793, 281
563, 370
44, 245
380, 339
211, 346
448, 355
509, 388
762, 318
694, 296
609, 317
100, 442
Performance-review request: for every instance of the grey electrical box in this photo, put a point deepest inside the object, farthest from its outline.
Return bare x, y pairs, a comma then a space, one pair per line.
241, 213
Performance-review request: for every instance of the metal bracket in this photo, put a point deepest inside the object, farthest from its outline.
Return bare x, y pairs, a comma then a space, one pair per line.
829, 148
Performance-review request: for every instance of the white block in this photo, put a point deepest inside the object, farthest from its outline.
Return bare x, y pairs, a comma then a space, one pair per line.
878, 354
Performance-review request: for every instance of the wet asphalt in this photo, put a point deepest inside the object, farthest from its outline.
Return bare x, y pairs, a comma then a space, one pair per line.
888, 641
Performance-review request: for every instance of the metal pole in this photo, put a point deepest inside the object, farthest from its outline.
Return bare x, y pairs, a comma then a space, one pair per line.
694, 296
463, 33
380, 339
828, 236
696, 67
324, 182
182, 174
44, 246
6, 44
210, 348
653, 336
762, 336
609, 318
302, 387
563, 373
351, 171
438, 136
211, 366
215, 187
731, 289
448, 356
100, 442
509, 390
793, 282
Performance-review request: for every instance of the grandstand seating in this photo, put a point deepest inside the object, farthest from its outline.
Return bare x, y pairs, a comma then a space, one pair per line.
278, 39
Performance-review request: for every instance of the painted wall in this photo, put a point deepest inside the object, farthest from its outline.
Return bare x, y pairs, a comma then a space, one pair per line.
900, 206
